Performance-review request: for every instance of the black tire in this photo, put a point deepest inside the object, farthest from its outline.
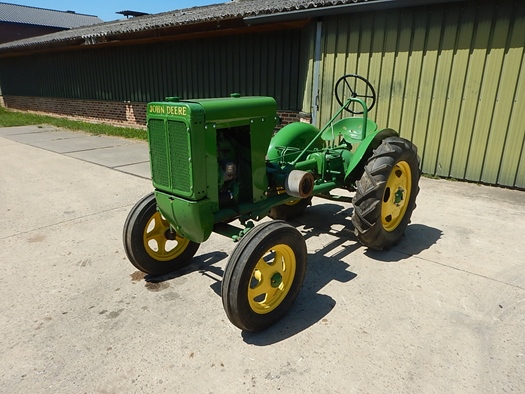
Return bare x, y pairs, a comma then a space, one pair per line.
258, 290
146, 230
386, 193
290, 211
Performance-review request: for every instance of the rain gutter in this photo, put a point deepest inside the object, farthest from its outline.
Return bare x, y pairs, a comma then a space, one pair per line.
318, 12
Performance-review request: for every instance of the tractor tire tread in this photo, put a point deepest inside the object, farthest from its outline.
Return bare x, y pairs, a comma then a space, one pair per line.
369, 193
233, 290
132, 236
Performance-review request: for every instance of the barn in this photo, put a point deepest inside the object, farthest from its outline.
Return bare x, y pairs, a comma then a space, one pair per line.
449, 75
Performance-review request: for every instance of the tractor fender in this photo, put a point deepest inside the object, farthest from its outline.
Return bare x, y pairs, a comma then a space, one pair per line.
363, 152
295, 136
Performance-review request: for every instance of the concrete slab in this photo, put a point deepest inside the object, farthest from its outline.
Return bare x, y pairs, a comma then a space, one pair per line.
62, 191
117, 156
6, 142
142, 170
5, 131
479, 225
44, 136
437, 313
80, 144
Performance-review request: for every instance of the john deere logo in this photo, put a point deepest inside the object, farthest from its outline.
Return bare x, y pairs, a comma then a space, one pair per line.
167, 109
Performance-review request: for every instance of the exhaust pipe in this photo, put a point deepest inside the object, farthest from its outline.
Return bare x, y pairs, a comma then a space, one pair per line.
299, 184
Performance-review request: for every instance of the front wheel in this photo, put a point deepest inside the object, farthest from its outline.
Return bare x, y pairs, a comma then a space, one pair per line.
150, 244
264, 275
386, 194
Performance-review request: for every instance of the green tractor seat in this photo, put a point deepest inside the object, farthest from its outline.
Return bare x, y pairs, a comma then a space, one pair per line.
351, 129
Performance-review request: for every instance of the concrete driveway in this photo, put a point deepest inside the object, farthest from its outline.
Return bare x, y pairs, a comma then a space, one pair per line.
442, 312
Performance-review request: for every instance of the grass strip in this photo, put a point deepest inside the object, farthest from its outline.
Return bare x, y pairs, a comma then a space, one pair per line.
10, 118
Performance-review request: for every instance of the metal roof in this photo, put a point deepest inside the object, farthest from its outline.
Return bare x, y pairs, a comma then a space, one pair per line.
195, 15
14, 13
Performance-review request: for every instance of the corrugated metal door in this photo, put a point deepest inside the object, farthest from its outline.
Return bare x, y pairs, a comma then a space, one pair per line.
449, 77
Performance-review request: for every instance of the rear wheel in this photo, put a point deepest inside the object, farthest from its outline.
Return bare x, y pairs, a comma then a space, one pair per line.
290, 210
386, 193
150, 244
264, 275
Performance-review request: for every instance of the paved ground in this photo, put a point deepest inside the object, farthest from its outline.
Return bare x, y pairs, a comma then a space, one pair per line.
444, 311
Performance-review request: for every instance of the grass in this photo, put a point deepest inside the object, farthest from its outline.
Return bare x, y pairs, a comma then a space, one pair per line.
14, 118
430, 176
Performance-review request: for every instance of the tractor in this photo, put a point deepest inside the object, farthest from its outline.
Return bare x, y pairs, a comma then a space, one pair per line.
218, 166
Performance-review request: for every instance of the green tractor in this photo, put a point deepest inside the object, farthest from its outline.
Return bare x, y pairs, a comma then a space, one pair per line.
214, 161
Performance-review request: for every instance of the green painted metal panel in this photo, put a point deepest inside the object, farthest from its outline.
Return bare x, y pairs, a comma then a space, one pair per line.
504, 145
461, 89
416, 56
328, 74
458, 28
389, 66
307, 68
353, 45
433, 92
425, 51
400, 70
341, 45
482, 91
376, 54
450, 77
159, 162
176, 136
513, 156
179, 141
271, 63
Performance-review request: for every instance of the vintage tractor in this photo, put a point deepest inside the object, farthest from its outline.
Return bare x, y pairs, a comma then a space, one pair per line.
214, 161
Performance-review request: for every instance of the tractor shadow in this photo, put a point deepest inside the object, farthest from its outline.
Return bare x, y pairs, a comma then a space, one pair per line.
416, 239
203, 263
327, 264
310, 306
324, 266
323, 217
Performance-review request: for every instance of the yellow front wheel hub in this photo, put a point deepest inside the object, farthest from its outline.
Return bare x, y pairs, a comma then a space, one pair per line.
396, 196
271, 279
157, 243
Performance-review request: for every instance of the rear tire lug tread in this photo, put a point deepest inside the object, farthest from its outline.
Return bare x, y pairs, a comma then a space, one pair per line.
368, 199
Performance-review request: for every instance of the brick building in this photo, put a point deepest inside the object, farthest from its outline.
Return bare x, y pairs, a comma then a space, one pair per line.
449, 74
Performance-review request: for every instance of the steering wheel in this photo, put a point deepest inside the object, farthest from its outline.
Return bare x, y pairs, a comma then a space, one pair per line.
348, 86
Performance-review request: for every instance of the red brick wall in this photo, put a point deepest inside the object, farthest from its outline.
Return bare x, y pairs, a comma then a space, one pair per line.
116, 113
288, 117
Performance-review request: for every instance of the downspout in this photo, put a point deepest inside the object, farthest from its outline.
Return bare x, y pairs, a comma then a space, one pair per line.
317, 71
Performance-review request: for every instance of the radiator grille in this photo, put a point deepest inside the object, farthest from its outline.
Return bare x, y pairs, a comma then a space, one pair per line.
158, 153
180, 163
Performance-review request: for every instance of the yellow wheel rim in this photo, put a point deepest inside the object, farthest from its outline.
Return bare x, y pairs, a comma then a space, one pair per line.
157, 245
293, 202
271, 279
396, 196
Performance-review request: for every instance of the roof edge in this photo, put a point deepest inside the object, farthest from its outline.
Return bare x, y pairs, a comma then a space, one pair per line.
376, 5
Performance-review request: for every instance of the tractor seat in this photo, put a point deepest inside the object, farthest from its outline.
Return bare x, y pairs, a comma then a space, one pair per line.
351, 129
